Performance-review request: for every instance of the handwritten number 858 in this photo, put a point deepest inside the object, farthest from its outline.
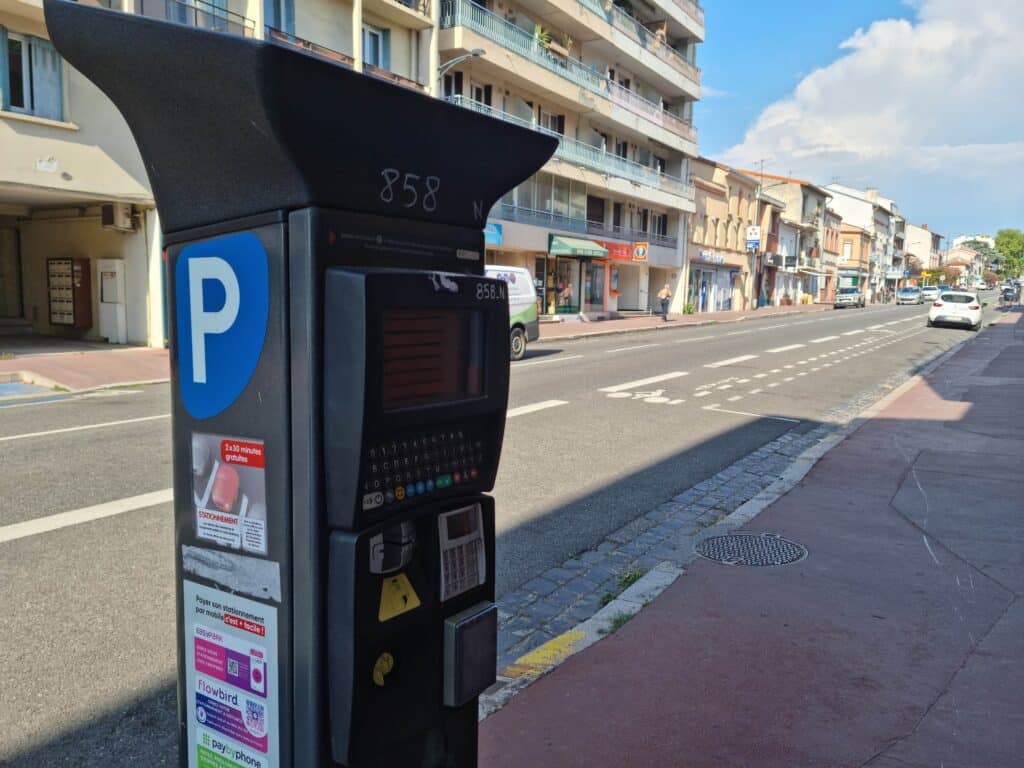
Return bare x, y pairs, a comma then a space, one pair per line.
410, 192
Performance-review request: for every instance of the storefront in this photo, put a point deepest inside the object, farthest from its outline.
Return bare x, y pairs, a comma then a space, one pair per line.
715, 284
500, 254
577, 281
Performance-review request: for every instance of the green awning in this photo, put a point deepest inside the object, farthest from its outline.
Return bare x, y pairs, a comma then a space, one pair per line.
572, 246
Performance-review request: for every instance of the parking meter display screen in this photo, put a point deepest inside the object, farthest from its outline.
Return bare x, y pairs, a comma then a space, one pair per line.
431, 356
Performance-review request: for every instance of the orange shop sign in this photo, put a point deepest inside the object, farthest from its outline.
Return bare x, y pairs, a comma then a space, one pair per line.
617, 251
640, 251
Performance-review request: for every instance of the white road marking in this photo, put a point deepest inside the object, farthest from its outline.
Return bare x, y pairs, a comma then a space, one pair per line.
787, 367
705, 393
737, 333
894, 322
84, 515
677, 401
524, 409
786, 349
815, 368
745, 413
627, 349
698, 338
774, 384
725, 386
760, 375
545, 362
775, 370
742, 381
64, 430
730, 361
876, 327
853, 333
644, 382
756, 391
734, 398
802, 373
824, 338
789, 378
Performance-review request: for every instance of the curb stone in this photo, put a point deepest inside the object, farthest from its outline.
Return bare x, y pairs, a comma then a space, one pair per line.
681, 523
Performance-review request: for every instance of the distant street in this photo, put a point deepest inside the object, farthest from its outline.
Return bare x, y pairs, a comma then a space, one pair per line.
598, 432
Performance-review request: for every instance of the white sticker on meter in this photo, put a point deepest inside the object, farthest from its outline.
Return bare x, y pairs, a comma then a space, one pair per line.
373, 500
463, 558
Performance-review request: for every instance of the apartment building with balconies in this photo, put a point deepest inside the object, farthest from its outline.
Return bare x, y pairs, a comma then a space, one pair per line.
603, 225
855, 258
73, 192
880, 216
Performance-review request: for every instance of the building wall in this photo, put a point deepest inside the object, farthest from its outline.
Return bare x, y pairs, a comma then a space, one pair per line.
66, 235
327, 22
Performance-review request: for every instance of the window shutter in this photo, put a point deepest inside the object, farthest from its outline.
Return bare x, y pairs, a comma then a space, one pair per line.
48, 98
5, 75
561, 124
385, 49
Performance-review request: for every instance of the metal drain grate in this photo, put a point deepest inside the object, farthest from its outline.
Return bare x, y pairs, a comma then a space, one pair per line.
751, 549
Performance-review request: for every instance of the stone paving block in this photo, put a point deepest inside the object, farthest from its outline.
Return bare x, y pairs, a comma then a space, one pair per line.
605, 546
591, 556
543, 610
558, 575
540, 586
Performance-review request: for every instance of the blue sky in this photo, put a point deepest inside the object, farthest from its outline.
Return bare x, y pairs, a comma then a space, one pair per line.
757, 52
909, 96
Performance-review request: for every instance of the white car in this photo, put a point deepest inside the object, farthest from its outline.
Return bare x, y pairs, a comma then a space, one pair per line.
956, 308
909, 295
930, 293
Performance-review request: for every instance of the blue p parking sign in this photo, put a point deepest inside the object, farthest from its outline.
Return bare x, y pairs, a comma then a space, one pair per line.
223, 297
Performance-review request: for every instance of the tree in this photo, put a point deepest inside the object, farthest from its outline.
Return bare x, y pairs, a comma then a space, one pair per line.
989, 253
1010, 243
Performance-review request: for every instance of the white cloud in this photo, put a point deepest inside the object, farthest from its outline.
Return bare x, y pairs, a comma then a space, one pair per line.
930, 111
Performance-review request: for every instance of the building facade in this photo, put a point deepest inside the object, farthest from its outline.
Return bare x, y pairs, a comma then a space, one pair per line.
720, 270
924, 246
801, 276
830, 250
880, 216
854, 264
76, 211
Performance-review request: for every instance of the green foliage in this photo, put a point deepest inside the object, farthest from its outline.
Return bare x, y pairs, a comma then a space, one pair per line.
617, 623
688, 309
542, 35
1010, 244
629, 578
606, 598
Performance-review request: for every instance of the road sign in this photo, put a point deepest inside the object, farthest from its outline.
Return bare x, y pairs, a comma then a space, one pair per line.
753, 237
906, 273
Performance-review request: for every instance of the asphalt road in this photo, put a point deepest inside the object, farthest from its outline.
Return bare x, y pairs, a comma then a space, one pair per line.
599, 431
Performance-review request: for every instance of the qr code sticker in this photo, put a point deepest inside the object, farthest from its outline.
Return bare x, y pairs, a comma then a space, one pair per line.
255, 717
233, 667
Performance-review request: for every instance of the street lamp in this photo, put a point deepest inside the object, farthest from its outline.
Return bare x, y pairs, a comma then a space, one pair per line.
457, 60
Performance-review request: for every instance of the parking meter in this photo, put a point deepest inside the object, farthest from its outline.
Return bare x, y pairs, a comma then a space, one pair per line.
339, 378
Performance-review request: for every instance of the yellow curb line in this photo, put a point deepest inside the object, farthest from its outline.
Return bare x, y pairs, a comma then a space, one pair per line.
545, 657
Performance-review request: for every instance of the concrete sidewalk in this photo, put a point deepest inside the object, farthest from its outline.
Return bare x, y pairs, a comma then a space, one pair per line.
898, 641
575, 328
77, 370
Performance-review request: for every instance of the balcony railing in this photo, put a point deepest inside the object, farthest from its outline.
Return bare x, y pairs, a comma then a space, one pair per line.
464, 13
197, 13
588, 155
281, 36
422, 6
635, 29
654, 112
598, 229
391, 77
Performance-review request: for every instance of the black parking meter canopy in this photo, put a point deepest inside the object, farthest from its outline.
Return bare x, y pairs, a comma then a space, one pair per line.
237, 127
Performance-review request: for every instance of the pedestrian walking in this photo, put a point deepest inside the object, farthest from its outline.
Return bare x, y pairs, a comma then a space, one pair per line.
665, 294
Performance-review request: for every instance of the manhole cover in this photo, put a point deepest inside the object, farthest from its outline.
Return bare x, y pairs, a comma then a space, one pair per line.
751, 549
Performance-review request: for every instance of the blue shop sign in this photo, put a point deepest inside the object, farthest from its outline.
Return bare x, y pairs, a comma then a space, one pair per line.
492, 234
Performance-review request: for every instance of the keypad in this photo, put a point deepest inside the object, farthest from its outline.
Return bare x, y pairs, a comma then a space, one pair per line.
419, 464
461, 566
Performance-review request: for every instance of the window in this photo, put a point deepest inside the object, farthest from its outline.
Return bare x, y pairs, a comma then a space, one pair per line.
659, 163
552, 122
481, 94
622, 149
659, 224
561, 196
847, 250
376, 45
30, 76
453, 85
280, 14
616, 215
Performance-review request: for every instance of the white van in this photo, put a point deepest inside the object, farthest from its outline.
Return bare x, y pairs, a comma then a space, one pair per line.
522, 306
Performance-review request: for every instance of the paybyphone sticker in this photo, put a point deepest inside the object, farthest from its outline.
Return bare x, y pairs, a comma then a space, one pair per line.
230, 679
229, 491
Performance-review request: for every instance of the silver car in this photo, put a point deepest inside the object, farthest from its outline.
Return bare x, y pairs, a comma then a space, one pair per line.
909, 295
848, 297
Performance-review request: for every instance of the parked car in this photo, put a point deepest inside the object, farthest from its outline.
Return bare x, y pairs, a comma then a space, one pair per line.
956, 308
911, 294
930, 293
848, 297
522, 307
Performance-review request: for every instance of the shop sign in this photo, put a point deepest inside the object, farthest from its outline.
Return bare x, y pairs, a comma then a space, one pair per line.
753, 237
711, 258
617, 251
492, 233
640, 251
